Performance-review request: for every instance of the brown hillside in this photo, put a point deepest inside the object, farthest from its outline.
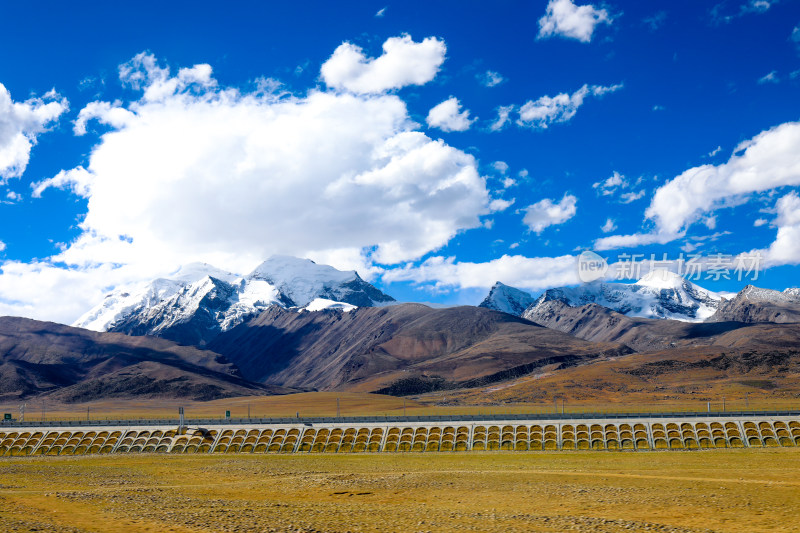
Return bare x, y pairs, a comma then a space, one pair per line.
73, 364
370, 348
762, 360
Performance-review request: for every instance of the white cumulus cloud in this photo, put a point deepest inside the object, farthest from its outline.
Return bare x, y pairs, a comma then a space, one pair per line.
503, 116
77, 179
565, 19
770, 77
198, 172
45, 291
500, 166
614, 184
491, 78
628, 197
785, 249
447, 116
610, 185
547, 110
631, 241
609, 226
20, 125
547, 212
726, 12
768, 161
112, 114
533, 273
403, 62
500, 204
759, 6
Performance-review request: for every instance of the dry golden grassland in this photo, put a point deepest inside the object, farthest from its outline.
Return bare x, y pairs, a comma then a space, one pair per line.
722, 490
306, 404
624, 384
316, 404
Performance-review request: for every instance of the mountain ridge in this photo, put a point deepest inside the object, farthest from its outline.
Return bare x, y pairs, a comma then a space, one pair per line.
661, 295
371, 347
507, 299
73, 364
754, 304
201, 301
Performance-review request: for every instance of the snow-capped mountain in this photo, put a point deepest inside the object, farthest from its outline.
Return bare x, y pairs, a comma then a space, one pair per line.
301, 281
201, 301
754, 304
659, 294
757, 294
507, 299
794, 292
122, 303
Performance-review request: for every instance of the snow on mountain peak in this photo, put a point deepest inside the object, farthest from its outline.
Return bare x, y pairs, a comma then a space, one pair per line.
320, 304
660, 294
196, 271
507, 299
303, 280
661, 278
300, 279
284, 269
200, 300
123, 302
751, 292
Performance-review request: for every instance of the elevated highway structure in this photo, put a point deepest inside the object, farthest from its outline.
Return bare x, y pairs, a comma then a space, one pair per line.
645, 432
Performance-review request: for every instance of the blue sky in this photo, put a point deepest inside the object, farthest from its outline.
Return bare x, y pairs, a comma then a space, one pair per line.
136, 139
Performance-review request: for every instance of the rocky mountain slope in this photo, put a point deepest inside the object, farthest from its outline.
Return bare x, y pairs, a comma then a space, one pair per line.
72, 364
761, 360
201, 301
659, 294
507, 299
372, 348
596, 323
690, 376
754, 304
293, 324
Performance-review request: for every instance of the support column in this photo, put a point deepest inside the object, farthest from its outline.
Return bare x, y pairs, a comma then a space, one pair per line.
44, 436
745, 440
299, 438
382, 446
120, 439
216, 440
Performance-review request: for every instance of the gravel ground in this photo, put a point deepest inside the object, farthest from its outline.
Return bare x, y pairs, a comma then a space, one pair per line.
723, 490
